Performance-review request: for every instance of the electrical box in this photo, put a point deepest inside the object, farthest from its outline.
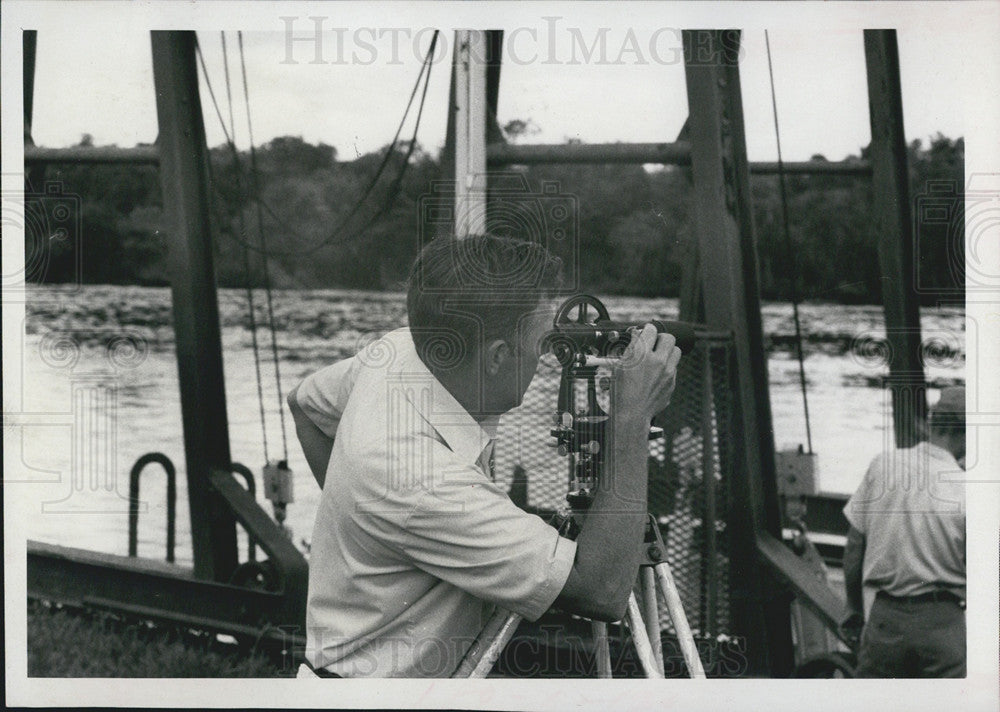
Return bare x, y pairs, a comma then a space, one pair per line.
796, 472
278, 482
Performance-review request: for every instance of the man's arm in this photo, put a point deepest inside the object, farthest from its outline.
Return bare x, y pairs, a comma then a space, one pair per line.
316, 405
608, 546
316, 444
854, 556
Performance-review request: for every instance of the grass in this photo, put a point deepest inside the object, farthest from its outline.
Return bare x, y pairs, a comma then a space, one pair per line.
73, 643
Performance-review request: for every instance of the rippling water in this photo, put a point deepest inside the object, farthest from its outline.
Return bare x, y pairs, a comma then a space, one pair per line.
99, 388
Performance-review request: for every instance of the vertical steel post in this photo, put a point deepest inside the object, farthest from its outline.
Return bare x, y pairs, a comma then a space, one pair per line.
494, 55
34, 175
469, 75
691, 307
447, 168
894, 227
184, 176
728, 264
29, 39
491, 130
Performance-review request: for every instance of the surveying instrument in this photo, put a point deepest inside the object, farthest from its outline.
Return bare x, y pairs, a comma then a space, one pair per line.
583, 345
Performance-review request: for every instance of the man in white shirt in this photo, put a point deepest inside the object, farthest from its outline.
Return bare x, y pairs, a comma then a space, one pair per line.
904, 562
414, 544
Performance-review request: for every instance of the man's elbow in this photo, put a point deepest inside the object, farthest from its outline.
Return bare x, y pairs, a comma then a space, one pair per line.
610, 611
299, 416
605, 602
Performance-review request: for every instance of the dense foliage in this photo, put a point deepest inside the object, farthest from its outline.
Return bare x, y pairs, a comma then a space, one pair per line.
632, 234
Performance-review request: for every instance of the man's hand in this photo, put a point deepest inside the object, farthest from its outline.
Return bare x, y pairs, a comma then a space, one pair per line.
646, 375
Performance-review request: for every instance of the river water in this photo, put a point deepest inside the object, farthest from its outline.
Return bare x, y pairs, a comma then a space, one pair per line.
98, 388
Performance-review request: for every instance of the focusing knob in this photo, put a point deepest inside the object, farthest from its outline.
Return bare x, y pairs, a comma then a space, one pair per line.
585, 305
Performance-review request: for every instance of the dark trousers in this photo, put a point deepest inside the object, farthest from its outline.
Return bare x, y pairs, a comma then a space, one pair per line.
913, 639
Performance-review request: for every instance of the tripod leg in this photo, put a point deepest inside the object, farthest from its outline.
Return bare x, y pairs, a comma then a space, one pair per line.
651, 612
486, 648
642, 646
602, 651
676, 610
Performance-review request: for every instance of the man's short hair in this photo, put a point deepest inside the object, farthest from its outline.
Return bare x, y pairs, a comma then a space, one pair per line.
949, 411
465, 292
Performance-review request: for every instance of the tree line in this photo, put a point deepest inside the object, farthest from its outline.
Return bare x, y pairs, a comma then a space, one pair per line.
331, 223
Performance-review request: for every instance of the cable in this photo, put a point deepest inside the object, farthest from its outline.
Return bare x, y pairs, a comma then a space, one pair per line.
263, 242
211, 92
395, 186
788, 247
392, 146
246, 257
335, 237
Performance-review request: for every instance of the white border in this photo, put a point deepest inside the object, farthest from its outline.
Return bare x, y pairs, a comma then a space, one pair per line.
982, 107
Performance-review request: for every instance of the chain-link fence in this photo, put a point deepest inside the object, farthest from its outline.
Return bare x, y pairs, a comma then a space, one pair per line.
688, 476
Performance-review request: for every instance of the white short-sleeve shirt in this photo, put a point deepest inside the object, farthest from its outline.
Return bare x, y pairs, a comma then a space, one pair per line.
414, 544
910, 506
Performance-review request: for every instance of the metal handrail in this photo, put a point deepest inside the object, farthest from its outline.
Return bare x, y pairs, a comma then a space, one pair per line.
133, 497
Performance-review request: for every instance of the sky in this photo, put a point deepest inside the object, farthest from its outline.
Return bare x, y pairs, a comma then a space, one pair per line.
632, 91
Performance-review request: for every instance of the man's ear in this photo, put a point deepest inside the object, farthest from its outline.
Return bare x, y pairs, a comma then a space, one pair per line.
494, 356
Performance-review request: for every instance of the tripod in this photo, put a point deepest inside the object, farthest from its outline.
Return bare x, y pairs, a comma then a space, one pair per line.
643, 622
581, 346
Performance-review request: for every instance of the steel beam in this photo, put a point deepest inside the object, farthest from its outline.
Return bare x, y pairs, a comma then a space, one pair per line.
894, 228
677, 153
726, 243
140, 155
290, 564
814, 594
815, 168
184, 175
80, 578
